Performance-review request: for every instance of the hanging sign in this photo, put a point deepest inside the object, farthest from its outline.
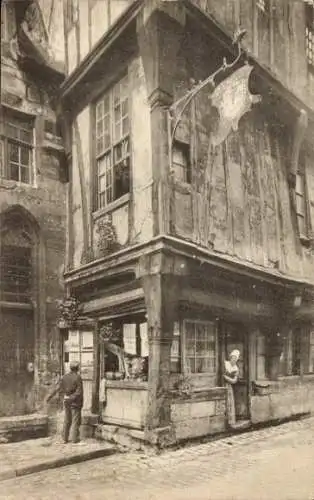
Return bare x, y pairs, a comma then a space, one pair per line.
232, 99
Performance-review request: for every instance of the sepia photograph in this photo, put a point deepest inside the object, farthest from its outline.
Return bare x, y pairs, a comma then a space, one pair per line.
157, 250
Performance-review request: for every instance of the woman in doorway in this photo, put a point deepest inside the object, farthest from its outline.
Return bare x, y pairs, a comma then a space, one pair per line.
231, 376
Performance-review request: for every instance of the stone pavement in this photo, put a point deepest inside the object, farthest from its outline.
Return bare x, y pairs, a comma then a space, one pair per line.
269, 464
34, 455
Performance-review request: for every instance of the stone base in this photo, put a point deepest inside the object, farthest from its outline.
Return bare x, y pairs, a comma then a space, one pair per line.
22, 427
123, 437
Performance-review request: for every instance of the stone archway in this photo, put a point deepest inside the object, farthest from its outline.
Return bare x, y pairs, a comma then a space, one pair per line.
19, 263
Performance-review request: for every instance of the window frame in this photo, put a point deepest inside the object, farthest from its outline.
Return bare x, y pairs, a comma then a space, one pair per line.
22, 271
184, 149
212, 375
117, 150
301, 193
309, 33
15, 120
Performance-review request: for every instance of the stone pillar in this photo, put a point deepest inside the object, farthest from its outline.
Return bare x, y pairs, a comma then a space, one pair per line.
160, 277
160, 30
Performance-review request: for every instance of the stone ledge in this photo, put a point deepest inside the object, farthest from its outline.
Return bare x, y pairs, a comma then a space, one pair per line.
21, 421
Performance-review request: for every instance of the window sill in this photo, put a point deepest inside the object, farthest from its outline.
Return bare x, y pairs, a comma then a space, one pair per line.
305, 241
127, 384
11, 184
112, 206
15, 305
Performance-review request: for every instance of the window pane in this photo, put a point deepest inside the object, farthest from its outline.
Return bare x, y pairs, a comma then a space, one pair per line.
117, 113
125, 126
99, 110
16, 273
13, 152
25, 175
99, 128
102, 183
122, 178
25, 156
104, 163
14, 172
99, 146
109, 196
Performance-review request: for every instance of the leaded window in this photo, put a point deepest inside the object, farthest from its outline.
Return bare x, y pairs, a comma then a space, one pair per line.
113, 144
16, 149
200, 347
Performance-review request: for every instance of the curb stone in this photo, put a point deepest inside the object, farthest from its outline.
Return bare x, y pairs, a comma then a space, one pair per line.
55, 463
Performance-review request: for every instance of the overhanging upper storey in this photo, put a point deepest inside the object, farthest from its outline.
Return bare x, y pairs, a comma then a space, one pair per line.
121, 34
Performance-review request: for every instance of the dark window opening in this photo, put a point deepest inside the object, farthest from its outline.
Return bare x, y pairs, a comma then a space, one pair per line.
181, 163
16, 274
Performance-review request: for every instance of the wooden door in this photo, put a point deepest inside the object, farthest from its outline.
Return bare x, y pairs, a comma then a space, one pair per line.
80, 344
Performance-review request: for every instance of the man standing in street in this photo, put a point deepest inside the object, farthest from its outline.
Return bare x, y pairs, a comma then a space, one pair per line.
71, 387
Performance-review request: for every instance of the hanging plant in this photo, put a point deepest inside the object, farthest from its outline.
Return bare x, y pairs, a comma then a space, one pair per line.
68, 310
107, 241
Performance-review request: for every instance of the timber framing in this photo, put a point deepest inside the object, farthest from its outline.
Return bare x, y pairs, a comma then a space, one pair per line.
101, 48
126, 260
268, 78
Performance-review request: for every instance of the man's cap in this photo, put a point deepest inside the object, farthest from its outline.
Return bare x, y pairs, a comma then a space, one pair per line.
74, 364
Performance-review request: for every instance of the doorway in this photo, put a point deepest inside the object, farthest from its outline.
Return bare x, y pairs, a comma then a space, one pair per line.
78, 345
235, 336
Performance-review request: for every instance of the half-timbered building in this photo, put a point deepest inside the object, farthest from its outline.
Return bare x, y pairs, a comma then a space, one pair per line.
190, 211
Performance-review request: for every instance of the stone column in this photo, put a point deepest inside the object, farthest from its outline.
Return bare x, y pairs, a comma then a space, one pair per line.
160, 277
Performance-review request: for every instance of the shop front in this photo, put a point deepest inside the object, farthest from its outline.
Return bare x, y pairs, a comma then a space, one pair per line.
152, 352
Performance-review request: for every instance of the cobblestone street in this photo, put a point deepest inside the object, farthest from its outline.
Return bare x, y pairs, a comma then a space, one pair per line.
270, 464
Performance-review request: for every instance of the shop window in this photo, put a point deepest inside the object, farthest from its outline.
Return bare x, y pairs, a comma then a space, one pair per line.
17, 149
113, 144
200, 347
125, 349
309, 33
181, 163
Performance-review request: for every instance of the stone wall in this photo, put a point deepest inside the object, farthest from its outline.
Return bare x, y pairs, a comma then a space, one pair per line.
42, 206
197, 417
284, 399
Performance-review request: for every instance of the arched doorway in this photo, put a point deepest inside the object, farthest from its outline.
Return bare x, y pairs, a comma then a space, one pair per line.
18, 310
